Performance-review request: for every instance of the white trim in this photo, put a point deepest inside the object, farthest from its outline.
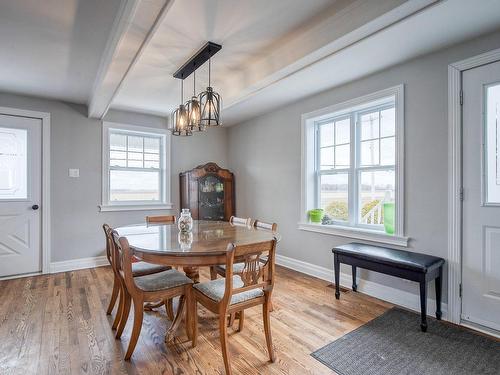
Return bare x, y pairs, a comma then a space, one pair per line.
166, 164
45, 204
20, 276
308, 153
356, 233
78, 264
396, 296
145, 207
455, 176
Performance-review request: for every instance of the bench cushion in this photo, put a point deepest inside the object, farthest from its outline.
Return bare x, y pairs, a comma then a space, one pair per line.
392, 257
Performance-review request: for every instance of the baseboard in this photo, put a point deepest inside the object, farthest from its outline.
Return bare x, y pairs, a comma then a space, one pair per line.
396, 296
78, 264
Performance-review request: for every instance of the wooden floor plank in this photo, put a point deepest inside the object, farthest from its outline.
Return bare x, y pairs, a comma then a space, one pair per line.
57, 324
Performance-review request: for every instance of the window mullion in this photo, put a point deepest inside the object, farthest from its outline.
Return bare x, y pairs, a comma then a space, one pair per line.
352, 171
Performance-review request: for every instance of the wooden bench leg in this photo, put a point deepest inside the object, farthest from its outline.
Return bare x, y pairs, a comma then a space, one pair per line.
336, 266
423, 306
354, 285
438, 293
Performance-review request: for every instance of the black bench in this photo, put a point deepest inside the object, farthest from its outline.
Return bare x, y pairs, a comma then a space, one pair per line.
405, 264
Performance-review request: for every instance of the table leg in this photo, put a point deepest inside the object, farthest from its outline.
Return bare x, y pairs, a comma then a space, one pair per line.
423, 306
336, 266
193, 273
354, 285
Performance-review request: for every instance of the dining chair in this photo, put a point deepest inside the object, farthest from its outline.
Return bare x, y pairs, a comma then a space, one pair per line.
219, 269
236, 292
165, 219
240, 221
148, 288
237, 267
138, 269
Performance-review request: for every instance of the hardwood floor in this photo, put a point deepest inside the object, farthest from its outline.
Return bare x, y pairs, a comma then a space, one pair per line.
57, 324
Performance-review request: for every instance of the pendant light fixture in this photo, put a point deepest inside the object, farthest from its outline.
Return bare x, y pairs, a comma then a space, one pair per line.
210, 103
179, 121
202, 110
194, 111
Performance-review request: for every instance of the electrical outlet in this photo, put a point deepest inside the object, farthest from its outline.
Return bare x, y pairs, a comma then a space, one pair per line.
75, 173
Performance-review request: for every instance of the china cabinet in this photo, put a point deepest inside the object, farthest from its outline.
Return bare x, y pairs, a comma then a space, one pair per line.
208, 191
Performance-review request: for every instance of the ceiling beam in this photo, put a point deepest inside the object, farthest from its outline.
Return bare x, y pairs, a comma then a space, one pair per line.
134, 25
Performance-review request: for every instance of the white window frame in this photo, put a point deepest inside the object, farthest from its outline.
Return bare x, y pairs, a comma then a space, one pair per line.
309, 189
165, 164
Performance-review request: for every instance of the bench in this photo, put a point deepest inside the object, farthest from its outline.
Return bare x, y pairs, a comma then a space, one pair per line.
417, 267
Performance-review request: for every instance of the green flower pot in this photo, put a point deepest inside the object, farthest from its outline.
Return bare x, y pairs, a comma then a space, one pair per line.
316, 215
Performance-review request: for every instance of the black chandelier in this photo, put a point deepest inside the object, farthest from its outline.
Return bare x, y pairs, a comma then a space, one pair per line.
202, 110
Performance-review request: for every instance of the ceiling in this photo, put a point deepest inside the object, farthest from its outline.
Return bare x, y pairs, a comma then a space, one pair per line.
52, 48
122, 53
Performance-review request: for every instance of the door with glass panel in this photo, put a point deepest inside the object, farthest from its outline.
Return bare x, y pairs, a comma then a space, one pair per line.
481, 194
20, 193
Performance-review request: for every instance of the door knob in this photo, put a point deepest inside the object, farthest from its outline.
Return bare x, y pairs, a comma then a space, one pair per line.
35, 207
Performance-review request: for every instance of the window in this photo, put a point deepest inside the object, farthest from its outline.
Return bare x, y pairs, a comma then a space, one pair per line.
135, 173
353, 168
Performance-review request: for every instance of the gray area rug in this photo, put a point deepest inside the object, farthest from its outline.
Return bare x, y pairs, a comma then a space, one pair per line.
393, 344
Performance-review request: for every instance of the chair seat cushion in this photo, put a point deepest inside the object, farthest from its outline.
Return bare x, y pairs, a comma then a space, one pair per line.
392, 257
143, 268
215, 290
237, 267
162, 280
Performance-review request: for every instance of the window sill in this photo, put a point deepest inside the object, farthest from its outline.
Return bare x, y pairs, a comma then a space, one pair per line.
141, 207
356, 233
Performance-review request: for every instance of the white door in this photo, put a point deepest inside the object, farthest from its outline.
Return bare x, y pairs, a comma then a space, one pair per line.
20, 194
481, 205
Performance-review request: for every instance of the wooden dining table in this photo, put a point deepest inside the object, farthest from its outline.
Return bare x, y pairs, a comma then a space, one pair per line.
206, 245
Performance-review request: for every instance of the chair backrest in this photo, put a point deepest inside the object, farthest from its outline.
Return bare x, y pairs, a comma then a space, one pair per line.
258, 270
161, 219
266, 226
107, 233
240, 221
123, 259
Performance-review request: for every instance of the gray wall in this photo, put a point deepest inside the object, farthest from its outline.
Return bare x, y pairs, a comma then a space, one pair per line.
265, 154
76, 143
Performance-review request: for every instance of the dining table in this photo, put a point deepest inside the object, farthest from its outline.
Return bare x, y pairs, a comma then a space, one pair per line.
205, 245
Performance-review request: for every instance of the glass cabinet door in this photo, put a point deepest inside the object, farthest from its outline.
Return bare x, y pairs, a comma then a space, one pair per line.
211, 198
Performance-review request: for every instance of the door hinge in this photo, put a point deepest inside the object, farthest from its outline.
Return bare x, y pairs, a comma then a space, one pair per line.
461, 194
461, 97
460, 290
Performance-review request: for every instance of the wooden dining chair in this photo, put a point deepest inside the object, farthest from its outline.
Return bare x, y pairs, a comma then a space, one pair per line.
251, 287
220, 269
240, 221
161, 219
138, 269
148, 288
237, 267
273, 227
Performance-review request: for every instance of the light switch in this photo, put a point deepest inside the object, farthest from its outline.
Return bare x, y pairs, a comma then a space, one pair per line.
74, 173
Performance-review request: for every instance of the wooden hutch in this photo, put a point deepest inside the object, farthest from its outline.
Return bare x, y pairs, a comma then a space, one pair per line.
208, 191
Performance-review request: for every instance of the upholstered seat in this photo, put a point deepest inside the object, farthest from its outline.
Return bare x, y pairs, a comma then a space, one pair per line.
237, 267
143, 268
215, 289
162, 280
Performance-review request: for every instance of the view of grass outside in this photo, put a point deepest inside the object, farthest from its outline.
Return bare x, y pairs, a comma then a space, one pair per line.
376, 188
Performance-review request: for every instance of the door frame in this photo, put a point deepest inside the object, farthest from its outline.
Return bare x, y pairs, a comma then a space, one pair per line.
45, 203
455, 192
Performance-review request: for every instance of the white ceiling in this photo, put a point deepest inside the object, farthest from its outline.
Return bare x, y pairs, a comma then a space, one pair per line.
52, 48
245, 28
122, 53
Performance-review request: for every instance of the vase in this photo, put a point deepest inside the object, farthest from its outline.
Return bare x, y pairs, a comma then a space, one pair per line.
185, 222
